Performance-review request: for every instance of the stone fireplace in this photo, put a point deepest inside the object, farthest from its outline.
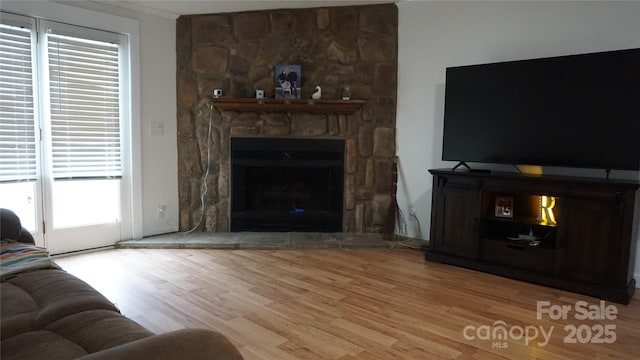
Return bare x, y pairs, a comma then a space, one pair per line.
237, 52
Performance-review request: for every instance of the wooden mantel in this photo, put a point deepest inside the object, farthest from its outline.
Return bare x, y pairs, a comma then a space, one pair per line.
287, 105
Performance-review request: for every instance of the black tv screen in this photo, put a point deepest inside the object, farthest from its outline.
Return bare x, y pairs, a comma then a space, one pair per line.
569, 111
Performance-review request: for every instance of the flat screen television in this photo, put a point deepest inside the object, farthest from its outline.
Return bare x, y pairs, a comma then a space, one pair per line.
568, 111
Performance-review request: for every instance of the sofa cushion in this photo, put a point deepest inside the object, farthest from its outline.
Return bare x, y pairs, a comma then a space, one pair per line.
180, 344
40, 344
17, 310
57, 294
96, 330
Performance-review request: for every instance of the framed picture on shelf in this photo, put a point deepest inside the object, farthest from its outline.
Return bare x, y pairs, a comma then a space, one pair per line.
504, 206
288, 81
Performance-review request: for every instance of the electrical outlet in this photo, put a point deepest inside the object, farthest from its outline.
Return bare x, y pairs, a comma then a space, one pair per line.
413, 211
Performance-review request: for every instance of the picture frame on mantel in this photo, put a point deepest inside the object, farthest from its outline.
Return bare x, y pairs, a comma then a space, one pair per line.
288, 81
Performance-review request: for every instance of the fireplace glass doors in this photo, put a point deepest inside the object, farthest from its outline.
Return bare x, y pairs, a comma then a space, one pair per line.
286, 184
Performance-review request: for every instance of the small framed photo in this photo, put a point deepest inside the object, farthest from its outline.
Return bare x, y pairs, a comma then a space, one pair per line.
288, 81
504, 206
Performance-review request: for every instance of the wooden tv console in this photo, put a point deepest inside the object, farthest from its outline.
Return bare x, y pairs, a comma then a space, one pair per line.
584, 242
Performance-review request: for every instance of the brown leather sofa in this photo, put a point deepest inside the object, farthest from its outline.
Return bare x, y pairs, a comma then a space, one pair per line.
47, 313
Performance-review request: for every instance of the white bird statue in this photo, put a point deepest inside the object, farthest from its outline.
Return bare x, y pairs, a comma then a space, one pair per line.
318, 94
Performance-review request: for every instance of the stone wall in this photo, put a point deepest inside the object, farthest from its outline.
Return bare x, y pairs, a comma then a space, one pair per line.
238, 52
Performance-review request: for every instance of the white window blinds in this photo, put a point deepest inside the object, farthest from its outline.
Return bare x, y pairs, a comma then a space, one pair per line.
84, 107
17, 119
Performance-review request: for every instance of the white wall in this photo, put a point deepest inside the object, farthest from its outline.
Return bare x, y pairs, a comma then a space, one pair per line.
434, 35
159, 108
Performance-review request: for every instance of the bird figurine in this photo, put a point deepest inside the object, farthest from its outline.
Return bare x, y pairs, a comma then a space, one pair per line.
318, 94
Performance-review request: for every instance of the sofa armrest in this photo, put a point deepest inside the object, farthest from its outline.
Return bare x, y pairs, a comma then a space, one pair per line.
193, 344
11, 228
26, 237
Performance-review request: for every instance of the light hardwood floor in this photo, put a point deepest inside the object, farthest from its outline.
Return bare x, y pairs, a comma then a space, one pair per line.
348, 304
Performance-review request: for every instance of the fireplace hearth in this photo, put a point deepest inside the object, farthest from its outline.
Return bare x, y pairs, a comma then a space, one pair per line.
280, 184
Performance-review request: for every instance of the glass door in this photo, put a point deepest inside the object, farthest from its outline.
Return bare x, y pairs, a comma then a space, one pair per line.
75, 196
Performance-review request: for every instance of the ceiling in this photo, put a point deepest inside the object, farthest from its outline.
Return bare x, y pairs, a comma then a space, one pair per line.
175, 8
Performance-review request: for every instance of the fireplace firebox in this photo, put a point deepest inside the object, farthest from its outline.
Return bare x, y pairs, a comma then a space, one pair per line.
287, 184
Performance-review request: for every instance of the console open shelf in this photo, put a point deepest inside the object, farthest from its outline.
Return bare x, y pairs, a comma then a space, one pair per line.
576, 234
346, 107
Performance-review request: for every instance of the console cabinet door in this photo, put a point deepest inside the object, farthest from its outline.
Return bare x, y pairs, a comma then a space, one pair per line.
455, 226
589, 241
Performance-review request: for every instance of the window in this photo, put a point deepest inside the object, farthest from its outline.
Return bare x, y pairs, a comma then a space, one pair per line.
84, 105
